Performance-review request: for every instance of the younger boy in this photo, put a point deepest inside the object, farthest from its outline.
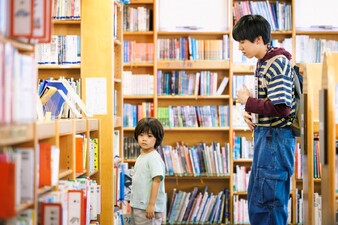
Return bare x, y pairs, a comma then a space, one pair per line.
147, 192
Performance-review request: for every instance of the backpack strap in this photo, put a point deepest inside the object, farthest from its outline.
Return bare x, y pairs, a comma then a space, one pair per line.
270, 61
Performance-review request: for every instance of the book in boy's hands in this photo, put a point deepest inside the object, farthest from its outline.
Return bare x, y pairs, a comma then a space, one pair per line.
222, 86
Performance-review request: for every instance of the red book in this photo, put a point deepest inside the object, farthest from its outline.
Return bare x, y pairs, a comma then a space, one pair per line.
45, 176
7, 190
51, 213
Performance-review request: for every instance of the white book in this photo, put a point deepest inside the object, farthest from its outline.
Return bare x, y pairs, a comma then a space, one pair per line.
222, 86
208, 207
93, 201
18, 164
201, 208
184, 207
27, 174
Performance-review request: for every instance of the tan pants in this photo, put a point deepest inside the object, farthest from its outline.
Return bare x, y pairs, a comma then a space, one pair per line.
138, 217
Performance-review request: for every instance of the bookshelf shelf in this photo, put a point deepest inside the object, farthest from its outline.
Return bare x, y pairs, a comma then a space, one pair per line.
24, 206
191, 177
135, 65
117, 42
317, 32
141, 1
242, 161
64, 127
117, 80
62, 67
17, 44
16, 134
80, 125
192, 33
81, 174
286, 32
243, 68
93, 173
199, 129
63, 173
44, 190
138, 97
66, 22
45, 130
192, 97
137, 33
240, 193
189, 64
93, 125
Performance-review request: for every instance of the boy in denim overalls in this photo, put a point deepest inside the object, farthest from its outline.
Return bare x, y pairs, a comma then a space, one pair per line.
268, 116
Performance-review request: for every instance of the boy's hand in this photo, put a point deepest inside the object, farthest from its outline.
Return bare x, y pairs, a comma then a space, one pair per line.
248, 120
243, 95
150, 211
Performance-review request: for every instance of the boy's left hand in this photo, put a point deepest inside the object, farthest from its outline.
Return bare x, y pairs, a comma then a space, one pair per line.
150, 212
243, 94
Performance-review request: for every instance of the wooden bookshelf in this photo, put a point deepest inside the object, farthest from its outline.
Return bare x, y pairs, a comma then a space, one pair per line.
310, 113
230, 68
328, 136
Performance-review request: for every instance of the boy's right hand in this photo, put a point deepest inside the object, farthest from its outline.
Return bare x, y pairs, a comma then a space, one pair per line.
248, 120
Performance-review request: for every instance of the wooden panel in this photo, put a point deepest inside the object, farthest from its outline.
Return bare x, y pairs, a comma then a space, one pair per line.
64, 127
15, 134
97, 53
45, 130
327, 130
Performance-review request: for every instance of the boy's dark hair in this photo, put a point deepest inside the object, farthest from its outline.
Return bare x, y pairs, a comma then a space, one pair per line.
249, 27
150, 124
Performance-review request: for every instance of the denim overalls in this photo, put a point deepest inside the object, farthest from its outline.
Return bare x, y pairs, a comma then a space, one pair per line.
272, 168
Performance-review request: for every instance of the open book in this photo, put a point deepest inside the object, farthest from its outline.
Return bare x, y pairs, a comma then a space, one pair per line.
58, 96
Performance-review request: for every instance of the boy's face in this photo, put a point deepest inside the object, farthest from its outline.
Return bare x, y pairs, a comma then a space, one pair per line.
147, 141
256, 49
248, 48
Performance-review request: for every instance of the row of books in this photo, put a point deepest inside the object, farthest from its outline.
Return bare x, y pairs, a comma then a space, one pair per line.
199, 207
67, 10
241, 179
18, 172
203, 83
137, 84
243, 148
194, 116
199, 160
133, 113
311, 50
189, 48
74, 202
278, 14
62, 49
86, 152
137, 18
134, 52
131, 148
240, 210
18, 76
17, 175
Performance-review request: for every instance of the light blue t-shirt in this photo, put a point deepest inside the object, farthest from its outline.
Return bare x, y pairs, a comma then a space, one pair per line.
147, 167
